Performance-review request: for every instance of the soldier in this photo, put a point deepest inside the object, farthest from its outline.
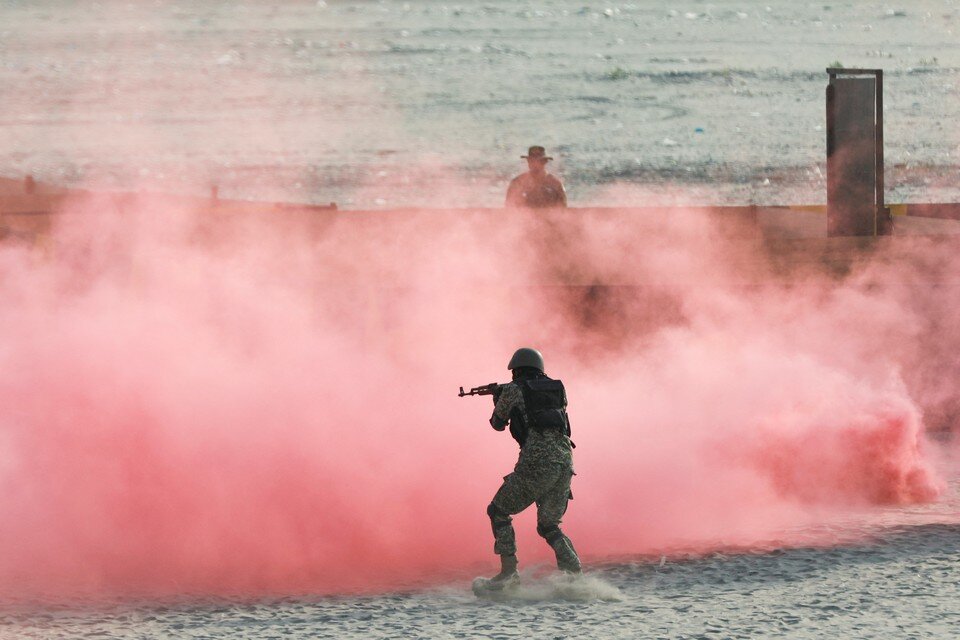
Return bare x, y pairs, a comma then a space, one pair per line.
536, 189
535, 408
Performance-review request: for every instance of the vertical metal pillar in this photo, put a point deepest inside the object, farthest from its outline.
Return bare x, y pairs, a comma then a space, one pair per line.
855, 184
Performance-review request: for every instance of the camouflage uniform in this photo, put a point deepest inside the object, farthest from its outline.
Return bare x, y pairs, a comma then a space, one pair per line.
542, 475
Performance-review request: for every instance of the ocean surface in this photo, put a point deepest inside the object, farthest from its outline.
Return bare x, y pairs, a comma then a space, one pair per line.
386, 104
429, 103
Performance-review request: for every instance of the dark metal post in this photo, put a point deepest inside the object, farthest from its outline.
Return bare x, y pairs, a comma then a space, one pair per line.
855, 175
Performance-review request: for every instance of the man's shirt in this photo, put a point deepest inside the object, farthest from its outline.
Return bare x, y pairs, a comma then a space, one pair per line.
536, 192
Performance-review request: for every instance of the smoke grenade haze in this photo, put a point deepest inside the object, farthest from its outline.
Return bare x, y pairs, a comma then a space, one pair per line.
211, 404
195, 402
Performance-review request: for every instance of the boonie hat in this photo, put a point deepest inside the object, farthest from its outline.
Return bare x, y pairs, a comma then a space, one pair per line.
537, 152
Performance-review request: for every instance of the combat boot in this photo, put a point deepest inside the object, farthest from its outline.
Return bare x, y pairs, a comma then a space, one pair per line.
567, 559
507, 576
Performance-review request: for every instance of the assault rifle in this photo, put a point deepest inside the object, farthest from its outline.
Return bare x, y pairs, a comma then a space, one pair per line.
491, 389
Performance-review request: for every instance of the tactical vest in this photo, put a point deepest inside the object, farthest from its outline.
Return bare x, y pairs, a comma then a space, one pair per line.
545, 401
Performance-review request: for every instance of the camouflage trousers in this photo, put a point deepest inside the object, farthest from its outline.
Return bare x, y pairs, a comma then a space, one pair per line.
547, 485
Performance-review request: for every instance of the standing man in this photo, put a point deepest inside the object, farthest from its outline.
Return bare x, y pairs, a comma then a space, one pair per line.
534, 406
536, 189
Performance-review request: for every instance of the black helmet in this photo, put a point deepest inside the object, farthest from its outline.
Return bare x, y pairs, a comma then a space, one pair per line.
526, 357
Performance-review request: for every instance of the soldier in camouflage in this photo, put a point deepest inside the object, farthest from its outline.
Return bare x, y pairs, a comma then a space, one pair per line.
534, 406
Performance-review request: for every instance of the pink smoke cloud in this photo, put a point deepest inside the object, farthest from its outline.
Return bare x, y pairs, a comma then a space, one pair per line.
266, 403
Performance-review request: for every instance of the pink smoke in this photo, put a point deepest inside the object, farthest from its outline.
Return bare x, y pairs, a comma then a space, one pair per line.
266, 403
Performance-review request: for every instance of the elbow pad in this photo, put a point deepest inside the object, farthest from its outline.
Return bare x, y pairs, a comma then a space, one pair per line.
498, 423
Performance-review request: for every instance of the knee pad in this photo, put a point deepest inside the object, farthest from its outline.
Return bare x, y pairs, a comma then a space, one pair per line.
551, 533
497, 515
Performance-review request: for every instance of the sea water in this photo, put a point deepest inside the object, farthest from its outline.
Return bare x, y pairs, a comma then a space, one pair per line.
388, 104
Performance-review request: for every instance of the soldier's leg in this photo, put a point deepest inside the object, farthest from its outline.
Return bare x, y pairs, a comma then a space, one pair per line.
504, 538
517, 492
550, 509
